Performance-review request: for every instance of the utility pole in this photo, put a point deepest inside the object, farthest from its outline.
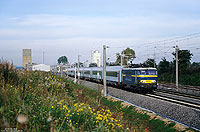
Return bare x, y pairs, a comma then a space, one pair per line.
122, 59
177, 67
104, 70
75, 74
78, 69
154, 63
123, 55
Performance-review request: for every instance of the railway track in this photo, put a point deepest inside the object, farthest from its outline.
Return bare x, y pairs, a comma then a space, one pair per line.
179, 98
182, 89
189, 102
178, 94
186, 87
175, 97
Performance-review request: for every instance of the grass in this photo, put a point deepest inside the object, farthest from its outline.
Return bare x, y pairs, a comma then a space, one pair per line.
39, 101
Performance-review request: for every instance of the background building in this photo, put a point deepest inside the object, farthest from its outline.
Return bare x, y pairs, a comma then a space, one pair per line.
26, 57
30, 66
96, 57
41, 67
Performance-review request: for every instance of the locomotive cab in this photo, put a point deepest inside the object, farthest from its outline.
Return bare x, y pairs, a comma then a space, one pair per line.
142, 79
147, 78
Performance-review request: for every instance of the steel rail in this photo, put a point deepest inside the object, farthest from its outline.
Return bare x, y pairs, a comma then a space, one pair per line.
187, 87
178, 94
177, 101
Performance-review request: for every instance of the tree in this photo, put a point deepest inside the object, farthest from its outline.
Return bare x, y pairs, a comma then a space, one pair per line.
196, 64
184, 57
163, 66
62, 59
127, 54
149, 62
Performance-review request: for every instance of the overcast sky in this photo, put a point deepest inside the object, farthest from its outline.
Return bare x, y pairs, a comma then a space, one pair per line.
72, 27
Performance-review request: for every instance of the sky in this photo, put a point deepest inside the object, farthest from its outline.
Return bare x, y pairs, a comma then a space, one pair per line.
76, 27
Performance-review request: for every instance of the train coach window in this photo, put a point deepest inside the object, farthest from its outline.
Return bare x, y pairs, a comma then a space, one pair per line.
94, 72
113, 74
87, 72
99, 73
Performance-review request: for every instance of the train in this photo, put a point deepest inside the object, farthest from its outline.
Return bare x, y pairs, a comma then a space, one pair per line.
140, 79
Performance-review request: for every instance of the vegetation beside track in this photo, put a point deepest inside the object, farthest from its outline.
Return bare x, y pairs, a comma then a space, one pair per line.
39, 101
188, 72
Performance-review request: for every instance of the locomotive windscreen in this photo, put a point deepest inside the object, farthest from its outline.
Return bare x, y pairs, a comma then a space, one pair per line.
147, 72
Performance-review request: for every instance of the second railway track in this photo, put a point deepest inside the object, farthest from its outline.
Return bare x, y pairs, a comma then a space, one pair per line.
177, 100
178, 94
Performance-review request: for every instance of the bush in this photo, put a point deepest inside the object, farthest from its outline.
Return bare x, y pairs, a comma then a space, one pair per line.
8, 74
48, 102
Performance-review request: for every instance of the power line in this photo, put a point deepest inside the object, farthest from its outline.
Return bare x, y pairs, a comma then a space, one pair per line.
161, 42
159, 46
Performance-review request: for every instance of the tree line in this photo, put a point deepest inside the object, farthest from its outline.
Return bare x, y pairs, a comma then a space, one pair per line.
189, 73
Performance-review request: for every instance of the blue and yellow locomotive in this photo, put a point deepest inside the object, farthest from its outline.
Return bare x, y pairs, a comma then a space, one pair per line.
142, 79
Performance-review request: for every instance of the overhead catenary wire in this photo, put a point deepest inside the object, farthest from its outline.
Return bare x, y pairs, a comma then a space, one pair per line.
163, 47
162, 42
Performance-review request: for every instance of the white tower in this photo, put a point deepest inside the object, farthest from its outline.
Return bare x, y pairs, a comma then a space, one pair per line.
96, 57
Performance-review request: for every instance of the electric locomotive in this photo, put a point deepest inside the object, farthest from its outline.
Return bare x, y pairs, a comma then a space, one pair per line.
141, 79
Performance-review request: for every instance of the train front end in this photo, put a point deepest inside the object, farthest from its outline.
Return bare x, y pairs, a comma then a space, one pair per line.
146, 78
141, 79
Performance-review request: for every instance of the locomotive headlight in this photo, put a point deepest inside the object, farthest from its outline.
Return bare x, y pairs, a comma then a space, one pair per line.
142, 81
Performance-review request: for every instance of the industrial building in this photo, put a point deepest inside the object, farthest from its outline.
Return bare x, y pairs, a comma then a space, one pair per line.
41, 67
96, 57
26, 57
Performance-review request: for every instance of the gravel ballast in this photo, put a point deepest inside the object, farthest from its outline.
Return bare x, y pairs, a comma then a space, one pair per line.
179, 113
